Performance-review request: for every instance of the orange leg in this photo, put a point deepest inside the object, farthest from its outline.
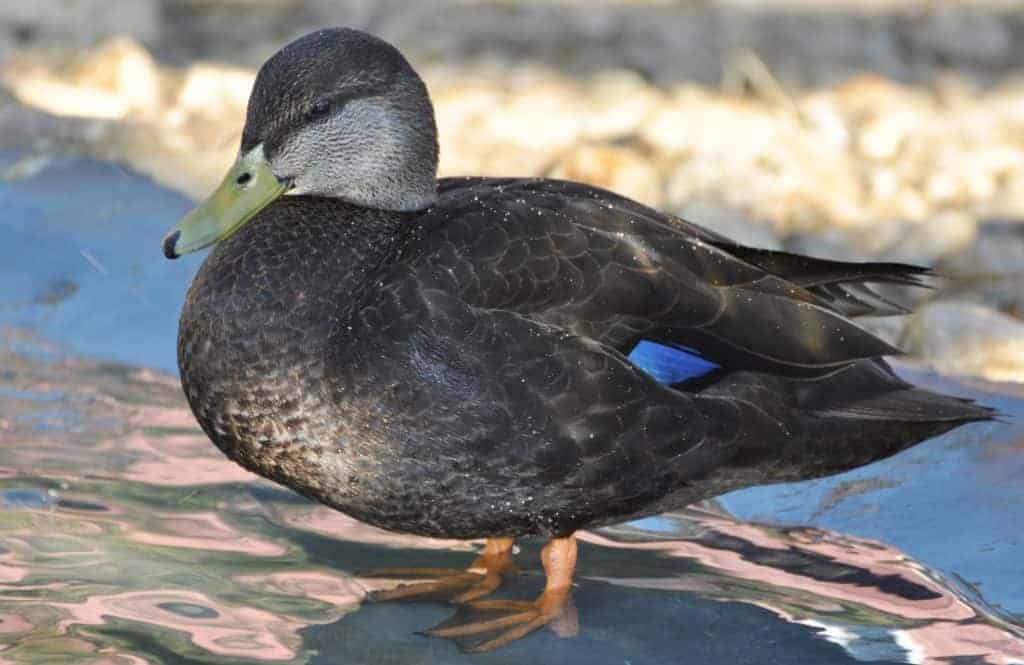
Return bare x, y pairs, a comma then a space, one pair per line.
513, 619
494, 562
482, 577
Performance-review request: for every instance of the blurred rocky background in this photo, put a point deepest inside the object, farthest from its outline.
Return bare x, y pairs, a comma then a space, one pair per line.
869, 130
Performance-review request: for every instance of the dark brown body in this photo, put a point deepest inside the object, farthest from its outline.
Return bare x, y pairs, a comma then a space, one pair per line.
461, 372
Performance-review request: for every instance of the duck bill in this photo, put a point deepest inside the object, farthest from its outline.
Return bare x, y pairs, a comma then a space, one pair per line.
248, 187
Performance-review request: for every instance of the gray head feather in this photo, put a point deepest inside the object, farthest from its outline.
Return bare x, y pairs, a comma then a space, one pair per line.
341, 113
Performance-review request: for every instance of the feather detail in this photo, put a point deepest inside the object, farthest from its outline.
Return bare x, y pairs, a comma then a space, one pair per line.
840, 285
670, 364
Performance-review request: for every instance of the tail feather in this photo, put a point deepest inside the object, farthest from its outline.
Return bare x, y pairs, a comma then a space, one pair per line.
870, 390
840, 285
906, 406
853, 300
804, 429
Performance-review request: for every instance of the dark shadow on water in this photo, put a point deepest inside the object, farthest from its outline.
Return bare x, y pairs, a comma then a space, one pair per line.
619, 625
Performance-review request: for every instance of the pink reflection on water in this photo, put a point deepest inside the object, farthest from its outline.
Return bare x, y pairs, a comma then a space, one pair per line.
36, 543
145, 415
732, 564
342, 592
10, 569
936, 643
155, 442
240, 632
14, 623
182, 459
203, 531
953, 627
752, 533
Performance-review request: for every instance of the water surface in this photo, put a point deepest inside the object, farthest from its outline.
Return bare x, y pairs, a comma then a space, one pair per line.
126, 538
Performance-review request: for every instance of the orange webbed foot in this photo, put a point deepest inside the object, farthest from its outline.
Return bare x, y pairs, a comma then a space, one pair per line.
489, 624
481, 579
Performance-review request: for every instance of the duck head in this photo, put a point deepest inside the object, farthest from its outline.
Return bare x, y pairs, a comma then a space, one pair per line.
336, 113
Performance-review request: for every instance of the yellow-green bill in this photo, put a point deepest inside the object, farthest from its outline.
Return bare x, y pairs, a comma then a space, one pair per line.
247, 188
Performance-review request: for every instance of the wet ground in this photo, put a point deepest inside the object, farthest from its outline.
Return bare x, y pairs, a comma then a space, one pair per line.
126, 538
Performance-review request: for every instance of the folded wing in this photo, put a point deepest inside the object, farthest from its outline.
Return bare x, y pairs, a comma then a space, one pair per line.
608, 268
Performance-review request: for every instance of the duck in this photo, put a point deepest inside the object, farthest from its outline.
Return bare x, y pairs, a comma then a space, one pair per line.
499, 358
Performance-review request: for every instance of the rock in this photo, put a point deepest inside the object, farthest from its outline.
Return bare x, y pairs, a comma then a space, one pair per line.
1005, 294
919, 243
925, 243
56, 97
967, 338
991, 269
461, 105
696, 121
864, 95
122, 67
822, 114
618, 104
997, 252
619, 169
216, 85
215, 93
515, 125
882, 138
832, 244
115, 80
1010, 197
23, 128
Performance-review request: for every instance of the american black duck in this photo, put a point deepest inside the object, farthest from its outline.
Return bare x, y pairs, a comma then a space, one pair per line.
492, 358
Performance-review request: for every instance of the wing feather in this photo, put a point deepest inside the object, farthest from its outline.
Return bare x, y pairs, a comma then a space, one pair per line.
605, 267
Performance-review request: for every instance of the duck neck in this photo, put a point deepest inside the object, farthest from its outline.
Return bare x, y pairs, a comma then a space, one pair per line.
304, 264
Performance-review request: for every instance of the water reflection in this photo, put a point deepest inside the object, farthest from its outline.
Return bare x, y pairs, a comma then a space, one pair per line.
847, 587
126, 538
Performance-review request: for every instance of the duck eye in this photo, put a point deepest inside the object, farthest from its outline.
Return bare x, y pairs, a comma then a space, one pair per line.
319, 109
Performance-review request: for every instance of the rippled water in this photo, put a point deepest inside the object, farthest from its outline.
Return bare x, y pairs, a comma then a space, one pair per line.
126, 538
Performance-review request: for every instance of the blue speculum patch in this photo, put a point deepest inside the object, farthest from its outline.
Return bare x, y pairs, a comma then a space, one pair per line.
670, 364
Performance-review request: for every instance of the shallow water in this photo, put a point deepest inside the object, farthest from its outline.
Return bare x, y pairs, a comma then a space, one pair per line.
126, 538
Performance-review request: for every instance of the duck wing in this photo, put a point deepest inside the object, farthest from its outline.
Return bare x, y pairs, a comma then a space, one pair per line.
596, 359
602, 266
551, 430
